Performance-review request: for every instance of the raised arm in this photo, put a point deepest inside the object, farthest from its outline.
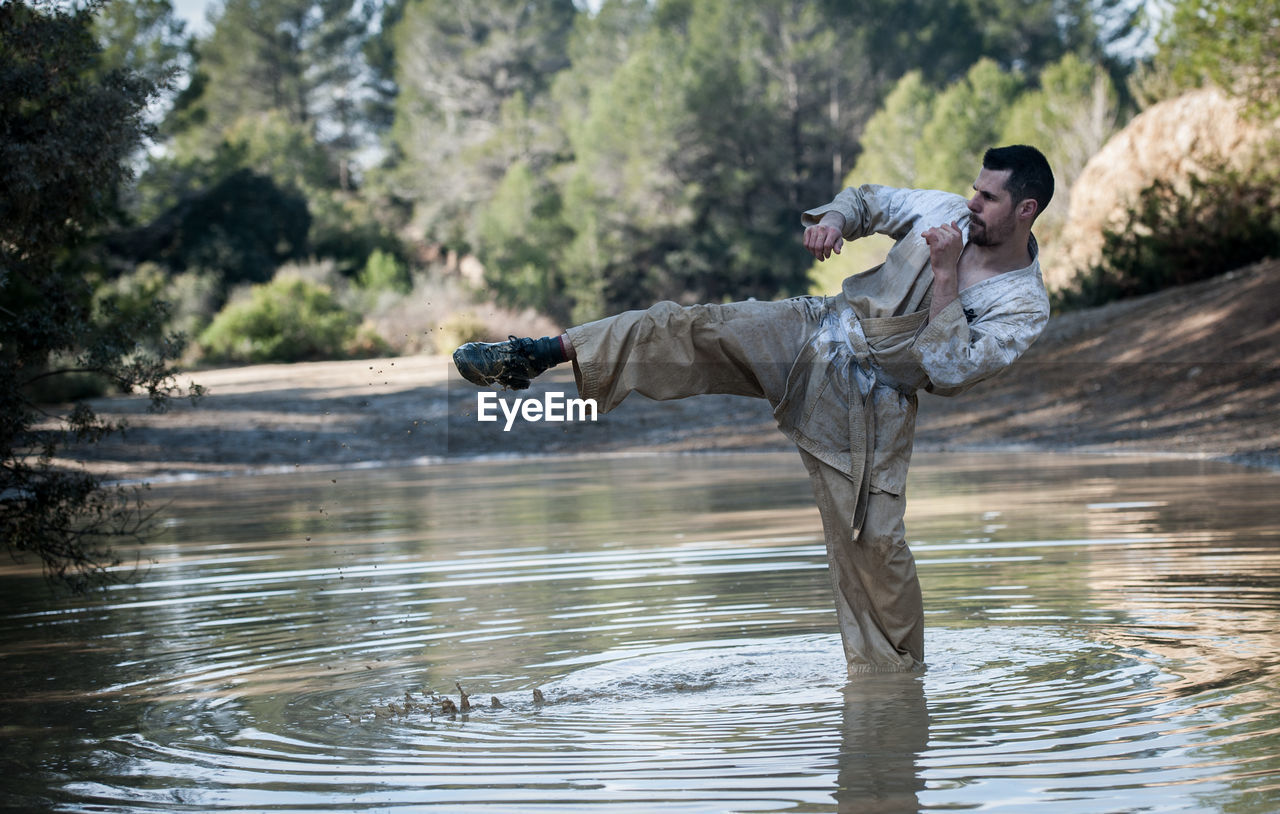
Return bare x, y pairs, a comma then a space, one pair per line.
871, 208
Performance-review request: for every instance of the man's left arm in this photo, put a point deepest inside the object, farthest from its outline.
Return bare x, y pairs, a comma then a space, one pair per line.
956, 354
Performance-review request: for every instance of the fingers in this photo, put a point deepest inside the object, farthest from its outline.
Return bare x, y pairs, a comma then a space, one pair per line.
821, 241
946, 242
942, 234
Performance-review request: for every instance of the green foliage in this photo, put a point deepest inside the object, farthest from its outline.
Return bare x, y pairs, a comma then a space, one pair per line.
143, 37
1176, 236
594, 160
968, 117
1072, 113
277, 91
272, 144
892, 148
242, 228
300, 59
692, 159
458, 329
473, 81
69, 125
923, 137
624, 196
286, 320
521, 267
383, 272
346, 230
193, 297
1233, 44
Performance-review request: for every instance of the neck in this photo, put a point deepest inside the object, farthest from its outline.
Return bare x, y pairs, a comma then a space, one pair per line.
1011, 255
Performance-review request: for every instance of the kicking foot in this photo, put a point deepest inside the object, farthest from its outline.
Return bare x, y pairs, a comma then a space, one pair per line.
512, 364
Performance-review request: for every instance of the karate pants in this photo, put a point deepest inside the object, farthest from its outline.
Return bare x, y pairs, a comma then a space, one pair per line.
748, 349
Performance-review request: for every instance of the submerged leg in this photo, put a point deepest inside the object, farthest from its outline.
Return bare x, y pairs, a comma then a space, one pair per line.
877, 593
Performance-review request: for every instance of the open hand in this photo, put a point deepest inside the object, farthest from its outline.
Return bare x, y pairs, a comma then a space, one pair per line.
821, 239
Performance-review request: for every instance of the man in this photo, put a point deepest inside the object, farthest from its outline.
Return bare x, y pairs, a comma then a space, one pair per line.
957, 300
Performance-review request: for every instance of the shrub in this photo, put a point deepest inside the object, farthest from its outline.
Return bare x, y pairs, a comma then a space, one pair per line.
458, 329
1172, 237
383, 272
286, 320
242, 227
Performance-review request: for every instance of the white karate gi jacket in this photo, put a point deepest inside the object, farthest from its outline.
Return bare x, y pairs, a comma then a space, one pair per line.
877, 346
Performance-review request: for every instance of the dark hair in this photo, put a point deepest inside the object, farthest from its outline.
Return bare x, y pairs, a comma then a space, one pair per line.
1029, 177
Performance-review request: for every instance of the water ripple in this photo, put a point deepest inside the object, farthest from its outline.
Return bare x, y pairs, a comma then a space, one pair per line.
1121, 660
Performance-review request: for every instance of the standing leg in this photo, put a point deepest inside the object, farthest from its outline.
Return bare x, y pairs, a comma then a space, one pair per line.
877, 594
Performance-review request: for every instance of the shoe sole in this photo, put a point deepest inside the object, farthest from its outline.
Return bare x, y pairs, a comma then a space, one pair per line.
468, 372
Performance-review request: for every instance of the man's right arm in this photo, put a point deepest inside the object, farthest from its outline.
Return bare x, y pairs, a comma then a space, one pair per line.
855, 212
871, 208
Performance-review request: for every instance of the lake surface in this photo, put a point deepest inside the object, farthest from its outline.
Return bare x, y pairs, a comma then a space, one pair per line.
1102, 636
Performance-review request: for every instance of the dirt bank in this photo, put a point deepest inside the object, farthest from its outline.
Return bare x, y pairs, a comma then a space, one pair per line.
1191, 371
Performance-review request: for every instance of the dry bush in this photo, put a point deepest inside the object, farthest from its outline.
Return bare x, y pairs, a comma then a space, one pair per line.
440, 313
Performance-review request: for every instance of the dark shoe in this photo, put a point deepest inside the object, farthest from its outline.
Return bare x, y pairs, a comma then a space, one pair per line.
512, 364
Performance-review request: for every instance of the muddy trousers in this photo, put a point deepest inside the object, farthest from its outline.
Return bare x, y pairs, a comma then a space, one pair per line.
748, 349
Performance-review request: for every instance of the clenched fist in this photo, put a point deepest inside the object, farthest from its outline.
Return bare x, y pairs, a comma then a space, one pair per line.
946, 243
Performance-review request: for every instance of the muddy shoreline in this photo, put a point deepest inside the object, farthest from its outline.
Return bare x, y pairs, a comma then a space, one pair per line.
1191, 372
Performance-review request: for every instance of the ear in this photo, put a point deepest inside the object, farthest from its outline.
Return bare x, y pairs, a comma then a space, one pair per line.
1027, 208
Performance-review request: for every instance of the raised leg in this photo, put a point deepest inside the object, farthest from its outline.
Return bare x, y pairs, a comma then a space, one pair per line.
669, 351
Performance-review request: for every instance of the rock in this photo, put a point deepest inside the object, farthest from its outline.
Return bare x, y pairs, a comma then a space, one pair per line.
1195, 133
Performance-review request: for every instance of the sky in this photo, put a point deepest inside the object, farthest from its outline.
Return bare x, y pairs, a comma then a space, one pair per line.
193, 13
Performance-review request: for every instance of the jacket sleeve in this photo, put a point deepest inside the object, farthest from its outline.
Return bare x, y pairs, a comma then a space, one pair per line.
956, 355
872, 208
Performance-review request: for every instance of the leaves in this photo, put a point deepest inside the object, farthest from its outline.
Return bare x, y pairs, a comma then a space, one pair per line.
67, 129
1236, 45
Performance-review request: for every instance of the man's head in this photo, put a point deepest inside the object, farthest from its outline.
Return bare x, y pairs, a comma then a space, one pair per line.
1014, 187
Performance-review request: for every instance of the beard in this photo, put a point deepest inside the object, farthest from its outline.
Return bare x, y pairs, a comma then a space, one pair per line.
984, 234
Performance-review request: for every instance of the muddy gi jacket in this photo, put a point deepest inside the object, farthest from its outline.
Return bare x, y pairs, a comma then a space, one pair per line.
850, 397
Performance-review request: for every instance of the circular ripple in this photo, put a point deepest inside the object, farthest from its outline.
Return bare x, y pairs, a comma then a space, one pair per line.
1003, 714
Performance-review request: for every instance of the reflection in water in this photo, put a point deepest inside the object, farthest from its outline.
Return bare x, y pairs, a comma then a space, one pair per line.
883, 735
1101, 636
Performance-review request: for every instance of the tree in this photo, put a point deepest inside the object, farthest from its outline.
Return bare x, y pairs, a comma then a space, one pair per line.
280, 89
1236, 45
1070, 116
694, 155
943, 38
522, 267
242, 227
968, 117
473, 84
67, 130
624, 197
299, 58
891, 148
142, 36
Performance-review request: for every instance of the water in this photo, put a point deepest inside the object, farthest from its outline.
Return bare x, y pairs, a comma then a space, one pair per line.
1101, 637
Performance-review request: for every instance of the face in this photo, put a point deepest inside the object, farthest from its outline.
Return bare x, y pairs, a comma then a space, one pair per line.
993, 214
